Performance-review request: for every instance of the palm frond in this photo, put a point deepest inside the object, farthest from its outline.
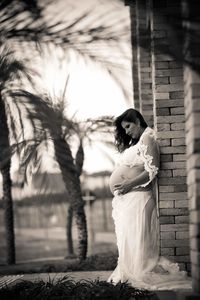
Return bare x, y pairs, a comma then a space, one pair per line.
11, 68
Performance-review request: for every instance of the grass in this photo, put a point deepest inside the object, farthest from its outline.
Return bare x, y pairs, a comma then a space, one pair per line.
99, 262
41, 243
66, 288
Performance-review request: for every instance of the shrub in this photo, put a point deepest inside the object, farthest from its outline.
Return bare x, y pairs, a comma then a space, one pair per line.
65, 288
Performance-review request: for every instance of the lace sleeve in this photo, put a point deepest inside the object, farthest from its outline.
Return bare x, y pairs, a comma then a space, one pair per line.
149, 153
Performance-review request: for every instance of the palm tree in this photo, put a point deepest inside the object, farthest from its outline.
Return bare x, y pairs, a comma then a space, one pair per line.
51, 127
84, 131
81, 35
61, 132
10, 69
30, 30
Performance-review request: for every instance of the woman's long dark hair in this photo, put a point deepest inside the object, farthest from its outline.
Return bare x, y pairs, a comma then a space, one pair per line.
123, 140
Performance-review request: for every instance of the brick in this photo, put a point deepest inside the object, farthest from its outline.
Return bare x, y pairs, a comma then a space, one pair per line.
182, 258
145, 69
174, 65
159, 96
171, 119
165, 173
144, 81
176, 79
180, 188
144, 64
173, 165
169, 87
169, 103
163, 57
178, 126
146, 96
173, 211
166, 157
167, 251
177, 111
171, 134
178, 142
162, 112
177, 95
181, 219
163, 127
181, 203
179, 173
182, 250
174, 227
162, 80
173, 243
166, 189
166, 204
145, 59
146, 86
169, 72
179, 157
182, 235
168, 235
172, 181
164, 142
173, 196
161, 65
147, 102
177, 149
166, 219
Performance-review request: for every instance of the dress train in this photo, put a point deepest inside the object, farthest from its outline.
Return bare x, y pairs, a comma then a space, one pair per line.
137, 233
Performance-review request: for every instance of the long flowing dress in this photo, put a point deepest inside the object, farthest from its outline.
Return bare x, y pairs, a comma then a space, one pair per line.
136, 222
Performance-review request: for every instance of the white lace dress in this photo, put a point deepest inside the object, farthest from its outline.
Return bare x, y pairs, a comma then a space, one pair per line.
135, 216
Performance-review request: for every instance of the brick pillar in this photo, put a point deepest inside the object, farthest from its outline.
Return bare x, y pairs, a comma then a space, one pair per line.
192, 113
134, 43
144, 60
168, 99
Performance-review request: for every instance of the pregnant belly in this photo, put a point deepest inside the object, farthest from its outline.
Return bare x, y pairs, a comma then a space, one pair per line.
122, 173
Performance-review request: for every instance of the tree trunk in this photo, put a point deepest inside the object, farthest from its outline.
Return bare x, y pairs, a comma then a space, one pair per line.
70, 248
5, 164
79, 166
73, 186
8, 215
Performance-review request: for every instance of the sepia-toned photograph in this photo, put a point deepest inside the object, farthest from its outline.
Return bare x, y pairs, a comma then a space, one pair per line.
99, 149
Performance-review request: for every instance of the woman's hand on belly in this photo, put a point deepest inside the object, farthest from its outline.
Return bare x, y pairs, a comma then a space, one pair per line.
127, 186
124, 187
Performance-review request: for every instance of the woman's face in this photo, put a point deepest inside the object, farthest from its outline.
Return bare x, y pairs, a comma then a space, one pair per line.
132, 129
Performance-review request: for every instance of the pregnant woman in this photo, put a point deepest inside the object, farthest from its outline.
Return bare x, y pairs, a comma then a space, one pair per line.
134, 207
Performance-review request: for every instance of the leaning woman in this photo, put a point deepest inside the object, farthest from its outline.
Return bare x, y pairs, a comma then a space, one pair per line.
135, 211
